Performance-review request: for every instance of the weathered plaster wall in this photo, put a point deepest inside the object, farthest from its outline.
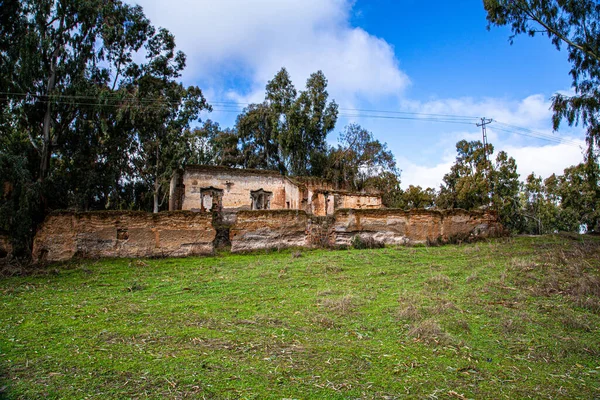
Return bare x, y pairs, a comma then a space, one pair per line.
265, 229
236, 186
65, 235
318, 203
327, 202
416, 226
360, 201
293, 199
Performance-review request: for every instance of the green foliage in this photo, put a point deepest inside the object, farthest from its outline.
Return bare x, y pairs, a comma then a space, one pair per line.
475, 182
467, 185
571, 24
84, 126
287, 131
574, 25
360, 161
19, 202
211, 145
416, 197
161, 123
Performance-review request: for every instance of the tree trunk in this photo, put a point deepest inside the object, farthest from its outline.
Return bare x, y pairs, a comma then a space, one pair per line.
46, 138
156, 182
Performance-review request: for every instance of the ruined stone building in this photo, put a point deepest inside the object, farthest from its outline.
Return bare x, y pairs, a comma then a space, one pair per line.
255, 210
210, 188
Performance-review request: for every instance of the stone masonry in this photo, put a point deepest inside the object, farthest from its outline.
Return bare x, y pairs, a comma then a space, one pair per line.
65, 235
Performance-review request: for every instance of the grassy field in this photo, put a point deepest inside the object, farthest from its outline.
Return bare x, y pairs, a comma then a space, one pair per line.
508, 318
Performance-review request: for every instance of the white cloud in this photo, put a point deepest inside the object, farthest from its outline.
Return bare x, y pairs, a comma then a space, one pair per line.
234, 47
254, 39
532, 111
545, 160
536, 148
542, 160
422, 175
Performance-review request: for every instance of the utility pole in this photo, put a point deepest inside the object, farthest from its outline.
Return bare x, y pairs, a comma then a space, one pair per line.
484, 122
488, 163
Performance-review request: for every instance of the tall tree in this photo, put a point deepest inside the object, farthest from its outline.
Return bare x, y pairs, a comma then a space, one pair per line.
211, 145
417, 197
577, 199
575, 25
312, 119
57, 67
358, 159
505, 189
467, 185
164, 109
287, 131
60, 47
474, 182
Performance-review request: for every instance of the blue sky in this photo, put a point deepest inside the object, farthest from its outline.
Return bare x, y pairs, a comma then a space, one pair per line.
433, 57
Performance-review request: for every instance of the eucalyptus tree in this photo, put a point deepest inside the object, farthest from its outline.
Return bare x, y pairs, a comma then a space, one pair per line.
474, 181
467, 185
209, 144
575, 26
64, 50
287, 132
358, 159
61, 62
163, 110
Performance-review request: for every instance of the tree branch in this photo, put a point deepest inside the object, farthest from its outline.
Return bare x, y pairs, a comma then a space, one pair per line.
556, 32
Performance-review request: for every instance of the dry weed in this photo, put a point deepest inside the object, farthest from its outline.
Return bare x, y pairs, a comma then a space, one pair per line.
430, 331
439, 282
409, 313
343, 306
324, 321
473, 277
442, 307
511, 326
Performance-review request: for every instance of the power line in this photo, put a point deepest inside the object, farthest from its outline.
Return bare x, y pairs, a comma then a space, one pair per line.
119, 97
119, 100
552, 140
535, 133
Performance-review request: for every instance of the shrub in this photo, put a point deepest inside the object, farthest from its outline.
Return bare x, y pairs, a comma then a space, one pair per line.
360, 243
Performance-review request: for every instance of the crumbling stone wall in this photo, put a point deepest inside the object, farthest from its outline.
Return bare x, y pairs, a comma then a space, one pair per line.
393, 226
255, 230
65, 235
265, 229
236, 185
359, 201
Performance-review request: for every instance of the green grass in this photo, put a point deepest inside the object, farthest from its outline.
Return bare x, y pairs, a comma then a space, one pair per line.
509, 318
